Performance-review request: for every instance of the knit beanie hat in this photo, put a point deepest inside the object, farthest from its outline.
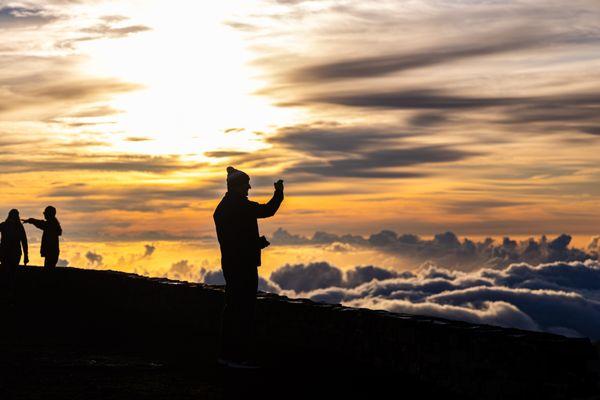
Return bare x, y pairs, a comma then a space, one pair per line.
235, 176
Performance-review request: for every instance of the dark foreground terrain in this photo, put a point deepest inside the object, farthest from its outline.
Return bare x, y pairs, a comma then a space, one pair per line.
76, 334
75, 373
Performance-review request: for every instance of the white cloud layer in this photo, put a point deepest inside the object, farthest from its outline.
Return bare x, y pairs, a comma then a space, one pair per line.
558, 297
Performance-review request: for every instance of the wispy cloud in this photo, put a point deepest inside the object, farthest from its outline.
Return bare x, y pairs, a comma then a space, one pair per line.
21, 16
53, 88
111, 31
101, 163
381, 65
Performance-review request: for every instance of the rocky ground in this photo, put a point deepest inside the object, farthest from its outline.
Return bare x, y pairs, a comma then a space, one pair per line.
46, 373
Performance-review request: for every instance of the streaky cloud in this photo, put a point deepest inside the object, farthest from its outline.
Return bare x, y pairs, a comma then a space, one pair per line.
375, 66
100, 163
416, 100
355, 151
20, 16
382, 163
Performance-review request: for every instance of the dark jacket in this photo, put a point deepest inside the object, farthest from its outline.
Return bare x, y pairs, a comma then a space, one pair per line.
52, 230
13, 237
237, 227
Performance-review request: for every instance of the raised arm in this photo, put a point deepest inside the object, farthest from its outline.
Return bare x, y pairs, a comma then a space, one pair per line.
38, 223
270, 208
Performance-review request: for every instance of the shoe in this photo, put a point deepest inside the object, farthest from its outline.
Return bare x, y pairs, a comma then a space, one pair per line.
244, 364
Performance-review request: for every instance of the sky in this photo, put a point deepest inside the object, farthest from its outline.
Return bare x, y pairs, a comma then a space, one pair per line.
477, 117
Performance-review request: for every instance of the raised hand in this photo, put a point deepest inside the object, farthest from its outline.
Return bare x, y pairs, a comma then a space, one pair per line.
278, 185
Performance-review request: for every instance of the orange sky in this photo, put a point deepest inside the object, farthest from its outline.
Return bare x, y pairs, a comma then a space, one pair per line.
419, 116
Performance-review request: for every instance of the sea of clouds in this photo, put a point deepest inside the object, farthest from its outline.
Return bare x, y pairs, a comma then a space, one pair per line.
541, 285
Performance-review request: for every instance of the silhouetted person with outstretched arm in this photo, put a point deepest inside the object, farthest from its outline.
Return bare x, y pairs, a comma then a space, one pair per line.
13, 239
241, 244
50, 248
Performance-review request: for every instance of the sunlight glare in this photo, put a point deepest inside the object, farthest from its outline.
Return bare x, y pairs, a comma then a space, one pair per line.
196, 82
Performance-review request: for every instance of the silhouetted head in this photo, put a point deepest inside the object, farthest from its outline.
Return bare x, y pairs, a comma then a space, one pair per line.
238, 181
50, 212
13, 215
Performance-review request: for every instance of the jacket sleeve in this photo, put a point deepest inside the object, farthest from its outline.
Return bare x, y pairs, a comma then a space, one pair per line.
38, 223
268, 209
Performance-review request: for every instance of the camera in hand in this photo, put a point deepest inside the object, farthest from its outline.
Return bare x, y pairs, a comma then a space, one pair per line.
263, 242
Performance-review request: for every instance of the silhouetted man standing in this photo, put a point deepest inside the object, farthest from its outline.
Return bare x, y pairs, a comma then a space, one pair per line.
13, 239
237, 230
50, 248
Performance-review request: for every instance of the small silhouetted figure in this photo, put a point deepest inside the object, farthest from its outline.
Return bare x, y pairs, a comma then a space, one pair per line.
13, 239
237, 230
50, 248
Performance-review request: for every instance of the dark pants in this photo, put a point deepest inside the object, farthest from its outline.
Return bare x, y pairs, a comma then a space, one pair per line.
8, 273
237, 326
50, 261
